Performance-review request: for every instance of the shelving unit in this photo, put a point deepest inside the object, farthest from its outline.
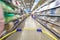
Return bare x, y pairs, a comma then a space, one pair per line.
14, 27
48, 6
45, 23
46, 14
12, 24
43, 6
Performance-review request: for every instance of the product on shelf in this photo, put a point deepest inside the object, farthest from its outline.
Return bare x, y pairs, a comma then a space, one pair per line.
8, 17
16, 17
57, 11
9, 26
24, 15
8, 10
19, 19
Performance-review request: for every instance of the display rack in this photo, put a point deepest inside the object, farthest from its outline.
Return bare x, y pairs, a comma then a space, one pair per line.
52, 8
47, 7
13, 30
54, 32
20, 20
50, 22
50, 15
43, 5
54, 37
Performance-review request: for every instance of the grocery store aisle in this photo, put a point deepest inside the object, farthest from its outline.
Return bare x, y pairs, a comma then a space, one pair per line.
29, 33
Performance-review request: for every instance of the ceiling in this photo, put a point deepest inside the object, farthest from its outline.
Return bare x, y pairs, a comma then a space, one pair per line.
27, 3
39, 3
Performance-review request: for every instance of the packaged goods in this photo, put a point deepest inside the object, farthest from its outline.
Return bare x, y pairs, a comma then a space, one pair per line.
57, 11
8, 17
9, 26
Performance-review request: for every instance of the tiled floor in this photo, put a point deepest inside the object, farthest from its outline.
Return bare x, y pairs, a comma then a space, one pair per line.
29, 34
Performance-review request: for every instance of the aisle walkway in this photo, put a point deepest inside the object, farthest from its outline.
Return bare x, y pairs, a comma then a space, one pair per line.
29, 34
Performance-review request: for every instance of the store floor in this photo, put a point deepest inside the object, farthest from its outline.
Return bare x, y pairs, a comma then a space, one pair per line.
29, 34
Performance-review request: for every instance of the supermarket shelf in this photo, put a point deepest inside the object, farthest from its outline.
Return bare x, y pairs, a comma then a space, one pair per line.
16, 19
39, 9
52, 8
53, 31
44, 4
50, 15
42, 7
50, 22
15, 26
13, 6
12, 20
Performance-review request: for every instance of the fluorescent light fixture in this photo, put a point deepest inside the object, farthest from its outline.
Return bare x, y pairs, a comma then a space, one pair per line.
35, 3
